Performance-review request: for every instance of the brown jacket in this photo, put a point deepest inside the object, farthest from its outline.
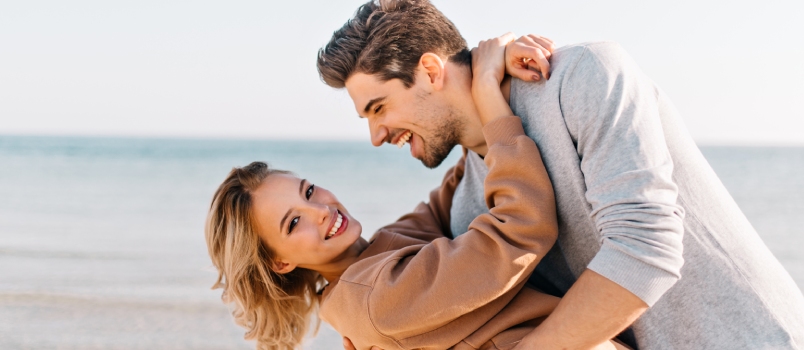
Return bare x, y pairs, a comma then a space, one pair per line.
415, 288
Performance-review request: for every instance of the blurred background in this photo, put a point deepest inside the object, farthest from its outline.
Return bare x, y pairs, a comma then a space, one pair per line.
119, 119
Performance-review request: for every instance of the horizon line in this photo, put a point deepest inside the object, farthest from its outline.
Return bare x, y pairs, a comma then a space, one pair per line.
705, 143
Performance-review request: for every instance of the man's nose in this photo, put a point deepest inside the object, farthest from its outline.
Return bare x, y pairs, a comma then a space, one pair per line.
379, 133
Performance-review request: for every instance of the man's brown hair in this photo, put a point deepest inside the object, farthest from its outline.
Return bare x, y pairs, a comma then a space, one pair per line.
387, 38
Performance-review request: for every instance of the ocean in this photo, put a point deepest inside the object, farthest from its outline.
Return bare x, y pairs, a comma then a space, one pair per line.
101, 239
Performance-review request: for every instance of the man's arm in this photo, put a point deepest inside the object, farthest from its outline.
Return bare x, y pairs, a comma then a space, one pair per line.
593, 311
611, 113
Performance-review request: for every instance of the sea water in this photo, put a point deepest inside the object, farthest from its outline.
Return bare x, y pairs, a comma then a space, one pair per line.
101, 239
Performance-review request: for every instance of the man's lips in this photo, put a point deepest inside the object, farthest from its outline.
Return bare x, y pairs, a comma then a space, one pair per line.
400, 139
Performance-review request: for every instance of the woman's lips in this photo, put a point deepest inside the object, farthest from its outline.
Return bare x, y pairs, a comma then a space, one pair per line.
342, 228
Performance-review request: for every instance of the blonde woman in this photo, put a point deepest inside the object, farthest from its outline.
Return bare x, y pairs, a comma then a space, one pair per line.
285, 248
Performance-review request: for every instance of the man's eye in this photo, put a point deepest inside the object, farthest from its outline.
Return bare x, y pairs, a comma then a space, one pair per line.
293, 224
310, 191
377, 109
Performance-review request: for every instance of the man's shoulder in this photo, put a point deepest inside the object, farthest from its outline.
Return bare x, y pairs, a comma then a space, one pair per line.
594, 46
582, 65
568, 57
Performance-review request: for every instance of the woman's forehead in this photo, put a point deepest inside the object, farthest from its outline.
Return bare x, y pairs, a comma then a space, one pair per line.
274, 197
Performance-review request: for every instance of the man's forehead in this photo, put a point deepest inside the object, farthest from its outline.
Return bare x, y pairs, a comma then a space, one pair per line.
364, 88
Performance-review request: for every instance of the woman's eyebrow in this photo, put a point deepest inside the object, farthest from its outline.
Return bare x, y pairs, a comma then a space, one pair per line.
284, 218
301, 186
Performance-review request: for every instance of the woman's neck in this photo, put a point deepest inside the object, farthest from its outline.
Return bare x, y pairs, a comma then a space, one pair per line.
333, 270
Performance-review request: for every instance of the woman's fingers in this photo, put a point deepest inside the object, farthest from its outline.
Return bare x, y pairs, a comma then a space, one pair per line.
538, 42
347, 344
524, 59
519, 59
543, 41
541, 64
506, 38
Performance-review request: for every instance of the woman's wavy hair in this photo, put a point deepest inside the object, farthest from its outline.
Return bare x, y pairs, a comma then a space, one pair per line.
276, 309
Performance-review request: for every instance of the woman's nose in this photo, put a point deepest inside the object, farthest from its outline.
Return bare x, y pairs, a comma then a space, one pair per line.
322, 212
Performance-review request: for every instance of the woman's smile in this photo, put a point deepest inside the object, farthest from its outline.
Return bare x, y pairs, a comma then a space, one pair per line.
303, 224
337, 227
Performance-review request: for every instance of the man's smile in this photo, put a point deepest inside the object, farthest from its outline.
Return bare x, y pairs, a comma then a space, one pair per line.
403, 138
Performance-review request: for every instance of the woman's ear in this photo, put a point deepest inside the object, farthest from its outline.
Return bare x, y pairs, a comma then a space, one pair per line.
282, 267
432, 66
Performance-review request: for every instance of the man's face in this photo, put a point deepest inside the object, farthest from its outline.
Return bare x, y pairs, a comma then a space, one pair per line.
397, 115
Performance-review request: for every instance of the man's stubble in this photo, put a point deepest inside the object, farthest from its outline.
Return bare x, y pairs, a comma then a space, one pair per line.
445, 128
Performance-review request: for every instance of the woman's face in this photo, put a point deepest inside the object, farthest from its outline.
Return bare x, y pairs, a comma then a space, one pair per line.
303, 224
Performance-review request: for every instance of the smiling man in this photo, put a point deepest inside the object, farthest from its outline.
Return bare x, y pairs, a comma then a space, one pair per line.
430, 119
650, 241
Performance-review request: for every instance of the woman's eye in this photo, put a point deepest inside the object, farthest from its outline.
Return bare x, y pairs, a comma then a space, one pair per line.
310, 191
293, 224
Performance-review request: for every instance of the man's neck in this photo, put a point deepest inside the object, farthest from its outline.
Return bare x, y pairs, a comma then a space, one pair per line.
472, 137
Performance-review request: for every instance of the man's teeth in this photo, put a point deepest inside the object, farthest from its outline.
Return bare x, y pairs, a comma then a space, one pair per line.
405, 137
335, 227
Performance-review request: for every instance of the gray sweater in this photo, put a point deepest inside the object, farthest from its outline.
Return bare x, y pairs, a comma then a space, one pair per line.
638, 204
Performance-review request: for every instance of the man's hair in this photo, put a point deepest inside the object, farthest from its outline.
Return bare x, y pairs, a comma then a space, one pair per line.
387, 38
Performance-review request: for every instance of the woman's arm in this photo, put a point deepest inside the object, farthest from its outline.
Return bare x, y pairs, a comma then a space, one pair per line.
524, 58
441, 292
457, 285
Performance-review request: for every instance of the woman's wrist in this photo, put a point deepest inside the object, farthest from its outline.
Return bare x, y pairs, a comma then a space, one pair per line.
489, 101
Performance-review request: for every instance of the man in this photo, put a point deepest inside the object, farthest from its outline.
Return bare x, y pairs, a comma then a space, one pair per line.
650, 240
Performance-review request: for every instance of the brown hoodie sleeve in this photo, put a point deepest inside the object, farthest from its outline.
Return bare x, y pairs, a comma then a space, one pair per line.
434, 295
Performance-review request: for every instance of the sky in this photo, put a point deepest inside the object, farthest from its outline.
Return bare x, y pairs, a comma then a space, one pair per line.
246, 69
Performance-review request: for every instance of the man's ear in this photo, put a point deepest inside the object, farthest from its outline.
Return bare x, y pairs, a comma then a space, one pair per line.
432, 66
282, 267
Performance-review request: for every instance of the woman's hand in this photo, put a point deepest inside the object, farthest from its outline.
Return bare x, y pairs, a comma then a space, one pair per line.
527, 56
347, 345
523, 58
488, 60
488, 71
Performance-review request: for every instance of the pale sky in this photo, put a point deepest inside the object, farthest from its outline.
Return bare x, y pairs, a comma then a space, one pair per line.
246, 69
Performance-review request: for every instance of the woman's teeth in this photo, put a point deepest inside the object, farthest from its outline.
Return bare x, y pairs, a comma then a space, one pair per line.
405, 137
335, 227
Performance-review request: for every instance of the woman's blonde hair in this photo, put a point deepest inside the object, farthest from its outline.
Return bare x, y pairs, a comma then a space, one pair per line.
276, 309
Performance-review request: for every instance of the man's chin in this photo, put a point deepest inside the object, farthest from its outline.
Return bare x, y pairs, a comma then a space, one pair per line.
431, 164
432, 161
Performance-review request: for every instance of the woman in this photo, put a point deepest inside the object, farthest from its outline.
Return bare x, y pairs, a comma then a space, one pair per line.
277, 240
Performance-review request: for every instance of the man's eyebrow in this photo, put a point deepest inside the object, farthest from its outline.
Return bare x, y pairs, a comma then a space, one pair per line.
372, 102
284, 218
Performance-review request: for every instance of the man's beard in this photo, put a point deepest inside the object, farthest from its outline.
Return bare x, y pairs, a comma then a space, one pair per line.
445, 137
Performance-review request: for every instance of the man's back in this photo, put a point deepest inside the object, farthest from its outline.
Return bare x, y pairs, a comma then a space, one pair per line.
627, 176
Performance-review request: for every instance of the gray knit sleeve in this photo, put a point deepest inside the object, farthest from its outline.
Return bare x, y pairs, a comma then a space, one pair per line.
611, 112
